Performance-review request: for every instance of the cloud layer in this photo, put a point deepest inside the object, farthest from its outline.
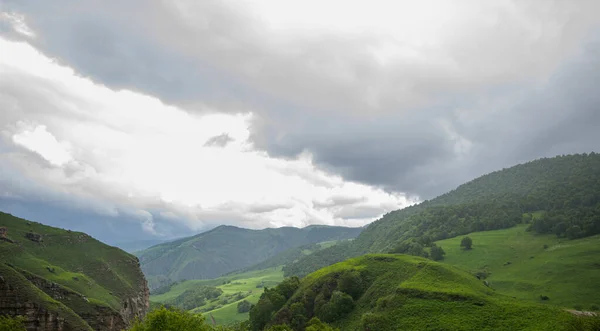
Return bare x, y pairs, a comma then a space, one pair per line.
121, 152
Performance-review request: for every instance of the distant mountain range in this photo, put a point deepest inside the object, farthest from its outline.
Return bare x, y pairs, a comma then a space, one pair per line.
228, 248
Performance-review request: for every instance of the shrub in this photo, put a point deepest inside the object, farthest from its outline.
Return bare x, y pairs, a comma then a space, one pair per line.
545, 246
544, 297
12, 323
244, 306
171, 319
594, 308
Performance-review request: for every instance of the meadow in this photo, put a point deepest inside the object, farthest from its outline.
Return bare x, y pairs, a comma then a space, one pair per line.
245, 283
526, 266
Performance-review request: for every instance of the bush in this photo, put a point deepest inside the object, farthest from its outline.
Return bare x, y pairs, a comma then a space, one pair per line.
544, 297
594, 308
316, 325
172, 319
12, 323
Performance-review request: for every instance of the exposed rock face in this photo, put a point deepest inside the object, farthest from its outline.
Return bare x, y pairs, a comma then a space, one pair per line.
99, 317
38, 318
33, 236
4, 235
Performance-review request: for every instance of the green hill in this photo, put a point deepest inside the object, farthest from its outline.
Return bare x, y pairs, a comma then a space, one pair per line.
79, 281
401, 292
228, 248
525, 265
564, 193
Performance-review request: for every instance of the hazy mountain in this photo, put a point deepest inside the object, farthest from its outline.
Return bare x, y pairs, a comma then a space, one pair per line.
228, 248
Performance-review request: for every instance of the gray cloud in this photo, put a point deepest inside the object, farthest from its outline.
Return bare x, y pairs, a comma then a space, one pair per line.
219, 141
488, 97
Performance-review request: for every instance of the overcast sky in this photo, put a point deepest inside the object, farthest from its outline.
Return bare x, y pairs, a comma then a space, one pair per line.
156, 119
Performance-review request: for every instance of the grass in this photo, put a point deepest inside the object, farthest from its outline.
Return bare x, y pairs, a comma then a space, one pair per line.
240, 282
567, 271
105, 275
411, 293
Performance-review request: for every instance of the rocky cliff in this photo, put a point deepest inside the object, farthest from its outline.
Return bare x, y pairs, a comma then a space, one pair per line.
66, 280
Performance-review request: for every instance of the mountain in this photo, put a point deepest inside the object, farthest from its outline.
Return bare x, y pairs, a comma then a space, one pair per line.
228, 248
562, 192
400, 292
138, 245
65, 280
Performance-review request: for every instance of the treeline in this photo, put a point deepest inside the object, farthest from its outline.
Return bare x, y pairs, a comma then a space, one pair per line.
558, 195
195, 297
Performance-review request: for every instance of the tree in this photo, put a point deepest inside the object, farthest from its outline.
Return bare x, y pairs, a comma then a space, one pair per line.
244, 306
466, 243
437, 253
172, 319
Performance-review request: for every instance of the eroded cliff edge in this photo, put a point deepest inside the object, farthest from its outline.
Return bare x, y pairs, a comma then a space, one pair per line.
64, 280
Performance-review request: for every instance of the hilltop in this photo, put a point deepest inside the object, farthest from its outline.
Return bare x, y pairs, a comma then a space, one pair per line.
60, 278
226, 249
400, 292
563, 192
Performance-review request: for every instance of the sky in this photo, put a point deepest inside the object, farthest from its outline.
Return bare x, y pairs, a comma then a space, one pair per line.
136, 120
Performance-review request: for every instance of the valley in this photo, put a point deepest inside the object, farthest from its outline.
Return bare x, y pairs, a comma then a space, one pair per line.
531, 260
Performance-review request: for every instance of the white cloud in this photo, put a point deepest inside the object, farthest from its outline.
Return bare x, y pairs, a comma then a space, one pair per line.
41, 141
133, 152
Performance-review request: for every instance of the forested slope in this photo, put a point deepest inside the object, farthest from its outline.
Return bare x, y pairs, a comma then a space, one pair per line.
563, 192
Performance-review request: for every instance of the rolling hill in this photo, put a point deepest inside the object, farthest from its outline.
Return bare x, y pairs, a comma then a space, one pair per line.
525, 265
64, 279
400, 292
563, 191
226, 249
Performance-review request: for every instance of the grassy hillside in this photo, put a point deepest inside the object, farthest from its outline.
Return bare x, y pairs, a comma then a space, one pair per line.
227, 248
567, 271
224, 308
101, 276
400, 292
564, 190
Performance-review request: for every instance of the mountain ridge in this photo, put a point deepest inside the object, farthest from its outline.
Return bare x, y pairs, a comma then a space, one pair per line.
227, 248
